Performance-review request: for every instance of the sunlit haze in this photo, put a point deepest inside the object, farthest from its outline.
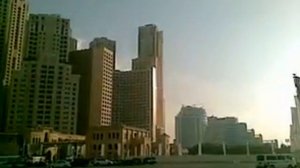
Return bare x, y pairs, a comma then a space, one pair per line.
236, 58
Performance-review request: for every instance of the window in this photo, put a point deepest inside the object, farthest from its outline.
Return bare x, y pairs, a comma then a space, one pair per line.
110, 146
271, 157
281, 157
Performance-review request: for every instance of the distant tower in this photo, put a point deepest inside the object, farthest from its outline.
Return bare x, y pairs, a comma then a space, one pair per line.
190, 126
295, 111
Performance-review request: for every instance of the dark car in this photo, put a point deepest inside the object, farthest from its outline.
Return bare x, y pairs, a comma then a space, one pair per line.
80, 162
150, 160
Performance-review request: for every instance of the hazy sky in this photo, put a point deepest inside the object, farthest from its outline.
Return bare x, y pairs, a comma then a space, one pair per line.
234, 57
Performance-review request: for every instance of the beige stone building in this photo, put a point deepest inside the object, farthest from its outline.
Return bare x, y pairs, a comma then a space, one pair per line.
95, 66
53, 144
49, 135
118, 142
162, 145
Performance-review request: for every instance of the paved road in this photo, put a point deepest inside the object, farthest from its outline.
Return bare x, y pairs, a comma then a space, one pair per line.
210, 165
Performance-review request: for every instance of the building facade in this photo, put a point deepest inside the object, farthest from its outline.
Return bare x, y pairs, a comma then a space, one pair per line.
49, 34
118, 142
54, 145
95, 66
150, 54
14, 14
43, 93
134, 99
190, 126
40, 135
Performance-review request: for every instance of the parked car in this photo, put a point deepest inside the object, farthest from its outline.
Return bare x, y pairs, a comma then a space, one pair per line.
102, 162
149, 160
61, 164
80, 162
276, 161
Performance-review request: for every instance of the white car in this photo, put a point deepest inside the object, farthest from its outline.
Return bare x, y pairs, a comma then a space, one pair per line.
61, 164
275, 161
102, 162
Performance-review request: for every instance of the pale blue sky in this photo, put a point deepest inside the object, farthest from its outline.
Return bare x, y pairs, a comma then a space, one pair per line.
234, 57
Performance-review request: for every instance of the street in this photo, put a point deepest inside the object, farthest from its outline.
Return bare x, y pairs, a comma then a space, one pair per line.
196, 165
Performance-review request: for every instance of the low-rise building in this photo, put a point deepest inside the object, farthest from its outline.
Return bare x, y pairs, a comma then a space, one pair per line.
118, 142
55, 145
162, 145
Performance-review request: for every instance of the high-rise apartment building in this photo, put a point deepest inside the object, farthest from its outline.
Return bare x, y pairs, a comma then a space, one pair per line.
134, 98
13, 16
49, 34
44, 93
95, 66
150, 54
190, 126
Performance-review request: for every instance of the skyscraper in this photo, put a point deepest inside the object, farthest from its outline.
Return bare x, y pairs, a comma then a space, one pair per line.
95, 66
12, 31
150, 54
43, 93
49, 34
295, 111
134, 99
190, 126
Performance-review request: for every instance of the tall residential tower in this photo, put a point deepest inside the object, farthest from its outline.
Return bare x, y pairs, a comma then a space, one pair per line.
95, 66
49, 34
13, 16
134, 99
44, 92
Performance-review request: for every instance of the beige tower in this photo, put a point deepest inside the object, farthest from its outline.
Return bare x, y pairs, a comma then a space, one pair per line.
13, 16
96, 67
13, 23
